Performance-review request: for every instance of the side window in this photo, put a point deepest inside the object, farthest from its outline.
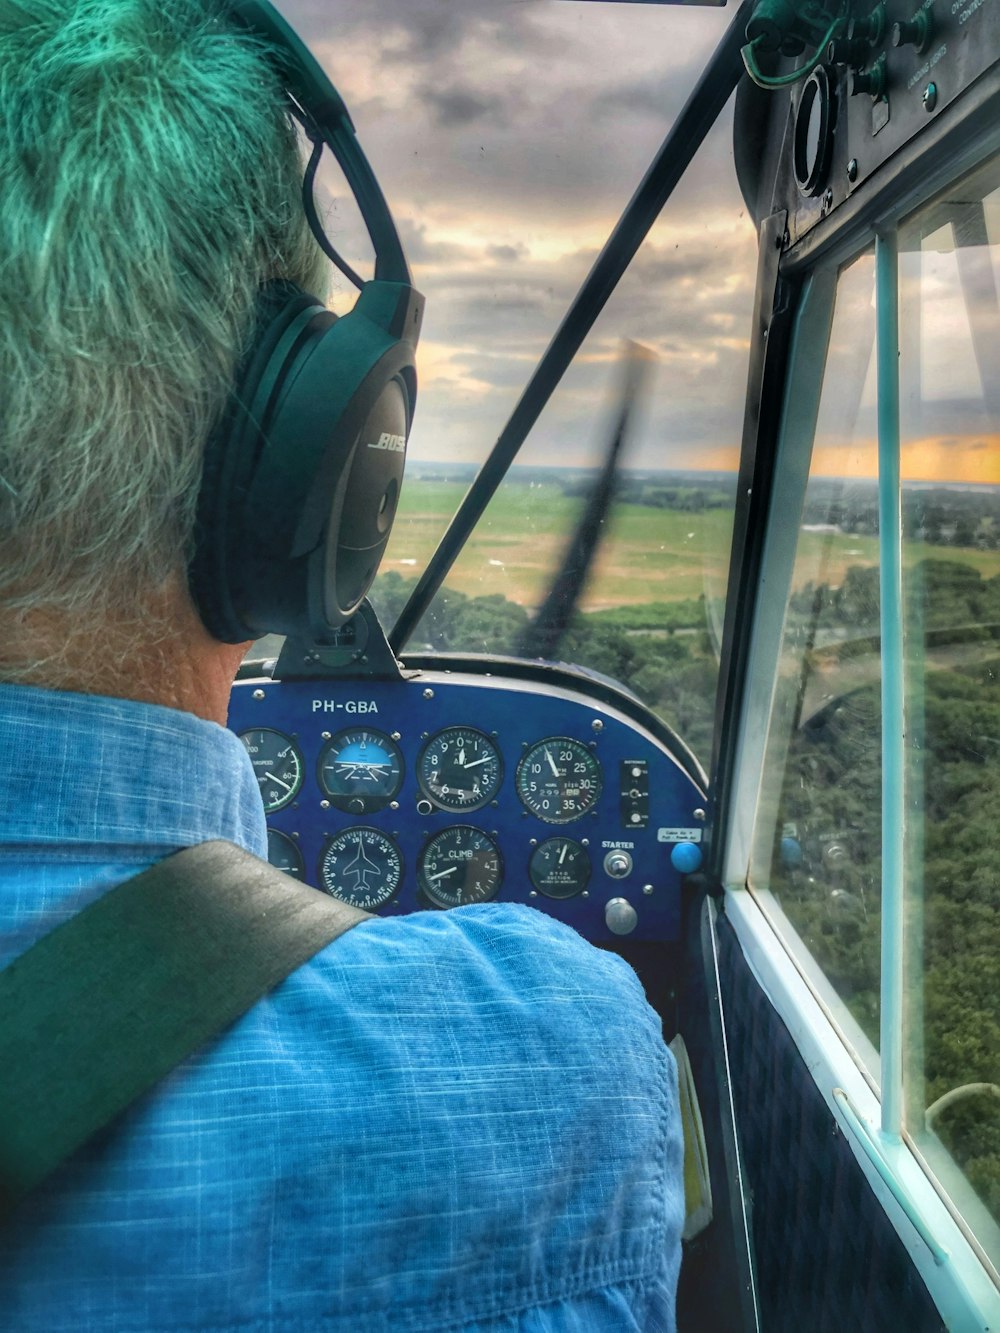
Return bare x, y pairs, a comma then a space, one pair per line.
816, 845
949, 256
887, 701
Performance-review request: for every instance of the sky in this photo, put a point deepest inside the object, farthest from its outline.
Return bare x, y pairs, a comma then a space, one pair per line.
508, 136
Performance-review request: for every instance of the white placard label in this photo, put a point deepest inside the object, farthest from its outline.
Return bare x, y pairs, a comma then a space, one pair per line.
678, 835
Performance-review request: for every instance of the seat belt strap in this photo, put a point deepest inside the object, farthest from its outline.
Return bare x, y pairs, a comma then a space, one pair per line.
100, 1009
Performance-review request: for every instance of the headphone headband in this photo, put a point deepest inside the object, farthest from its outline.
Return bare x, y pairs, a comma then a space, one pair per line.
316, 102
302, 478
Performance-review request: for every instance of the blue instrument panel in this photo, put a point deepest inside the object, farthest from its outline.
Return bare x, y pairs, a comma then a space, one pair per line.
447, 789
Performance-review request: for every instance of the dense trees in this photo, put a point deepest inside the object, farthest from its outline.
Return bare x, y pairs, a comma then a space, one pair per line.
670, 665
827, 870
826, 859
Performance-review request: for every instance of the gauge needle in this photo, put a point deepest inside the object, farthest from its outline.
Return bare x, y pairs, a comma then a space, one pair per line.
287, 785
485, 760
552, 763
441, 873
461, 757
562, 854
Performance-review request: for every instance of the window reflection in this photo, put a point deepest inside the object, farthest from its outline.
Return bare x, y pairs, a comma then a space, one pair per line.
950, 433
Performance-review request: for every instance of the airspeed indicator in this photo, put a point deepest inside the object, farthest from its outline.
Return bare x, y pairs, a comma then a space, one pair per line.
277, 766
559, 780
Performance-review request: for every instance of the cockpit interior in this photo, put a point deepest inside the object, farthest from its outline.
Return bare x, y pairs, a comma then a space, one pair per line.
694, 647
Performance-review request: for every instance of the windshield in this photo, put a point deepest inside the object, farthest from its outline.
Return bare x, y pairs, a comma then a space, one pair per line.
509, 146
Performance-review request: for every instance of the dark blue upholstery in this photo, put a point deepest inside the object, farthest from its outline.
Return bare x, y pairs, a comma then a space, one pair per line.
828, 1259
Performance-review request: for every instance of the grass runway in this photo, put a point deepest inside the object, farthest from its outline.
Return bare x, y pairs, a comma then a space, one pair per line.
647, 555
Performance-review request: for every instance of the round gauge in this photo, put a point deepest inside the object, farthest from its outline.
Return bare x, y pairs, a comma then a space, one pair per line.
283, 854
460, 769
460, 865
559, 868
559, 780
277, 766
361, 866
361, 770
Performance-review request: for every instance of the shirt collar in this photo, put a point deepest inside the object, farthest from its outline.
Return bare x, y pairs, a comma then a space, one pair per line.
81, 770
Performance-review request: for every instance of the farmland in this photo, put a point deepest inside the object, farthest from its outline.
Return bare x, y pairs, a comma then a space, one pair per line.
650, 554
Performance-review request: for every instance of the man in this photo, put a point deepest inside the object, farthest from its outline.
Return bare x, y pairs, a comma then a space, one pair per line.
456, 1120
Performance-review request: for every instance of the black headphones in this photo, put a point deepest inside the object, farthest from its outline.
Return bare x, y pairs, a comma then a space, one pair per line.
302, 477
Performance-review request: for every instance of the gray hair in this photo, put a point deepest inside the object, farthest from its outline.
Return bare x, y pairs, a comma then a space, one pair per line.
149, 184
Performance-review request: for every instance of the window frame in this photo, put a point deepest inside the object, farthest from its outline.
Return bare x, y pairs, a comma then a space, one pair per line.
864, 1090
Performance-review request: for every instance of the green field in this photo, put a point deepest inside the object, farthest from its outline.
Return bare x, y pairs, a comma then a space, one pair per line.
648, 555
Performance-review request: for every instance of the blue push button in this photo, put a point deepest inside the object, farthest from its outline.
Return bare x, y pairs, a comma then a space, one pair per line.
685, 857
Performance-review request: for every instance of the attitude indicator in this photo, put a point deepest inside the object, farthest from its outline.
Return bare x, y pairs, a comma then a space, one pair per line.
361, 770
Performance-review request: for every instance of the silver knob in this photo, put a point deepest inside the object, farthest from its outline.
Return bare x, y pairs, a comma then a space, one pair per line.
618, 864
621, 916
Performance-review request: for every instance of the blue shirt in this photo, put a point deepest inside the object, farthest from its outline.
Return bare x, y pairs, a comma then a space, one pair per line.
461, 1120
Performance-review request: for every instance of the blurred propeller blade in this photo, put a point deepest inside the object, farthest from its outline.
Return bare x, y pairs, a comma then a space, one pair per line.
544, 634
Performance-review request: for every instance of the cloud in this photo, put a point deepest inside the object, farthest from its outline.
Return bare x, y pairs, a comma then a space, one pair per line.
458, 106
508, 136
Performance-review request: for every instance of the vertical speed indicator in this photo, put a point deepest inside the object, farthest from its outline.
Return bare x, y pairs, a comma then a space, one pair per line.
559, 780
458, 866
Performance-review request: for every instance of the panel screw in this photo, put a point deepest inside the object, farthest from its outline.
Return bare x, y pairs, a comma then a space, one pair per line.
930, 97
258, 694
396, 736
428, 693
324, 805
699, 814
597, 724
852, 170
325, 735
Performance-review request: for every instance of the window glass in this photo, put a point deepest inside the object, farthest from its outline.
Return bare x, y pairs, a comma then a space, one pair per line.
816, 841
950, 463
650, 614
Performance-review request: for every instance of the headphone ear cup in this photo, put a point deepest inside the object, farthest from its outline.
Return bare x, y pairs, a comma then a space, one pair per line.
302, 480
366, 495
231, 453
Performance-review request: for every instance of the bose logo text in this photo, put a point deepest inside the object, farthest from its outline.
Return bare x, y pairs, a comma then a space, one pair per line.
395, 443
